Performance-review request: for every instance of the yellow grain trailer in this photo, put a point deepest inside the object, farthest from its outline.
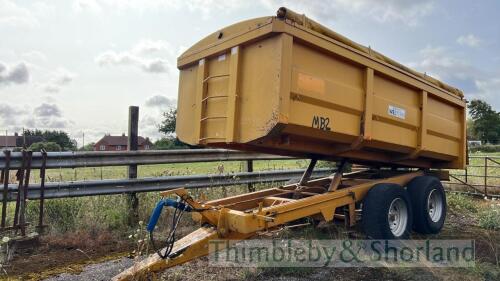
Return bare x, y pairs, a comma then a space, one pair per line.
288, 85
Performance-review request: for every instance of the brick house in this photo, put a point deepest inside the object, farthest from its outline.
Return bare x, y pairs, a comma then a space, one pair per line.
117, 143
8, 142
17, 141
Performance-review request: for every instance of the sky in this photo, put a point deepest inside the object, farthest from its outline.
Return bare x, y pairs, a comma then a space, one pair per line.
78, 65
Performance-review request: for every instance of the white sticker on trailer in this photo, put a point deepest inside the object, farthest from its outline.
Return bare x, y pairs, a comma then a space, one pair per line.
397, 112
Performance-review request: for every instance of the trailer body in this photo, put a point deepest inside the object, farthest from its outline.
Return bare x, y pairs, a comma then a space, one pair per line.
291, 87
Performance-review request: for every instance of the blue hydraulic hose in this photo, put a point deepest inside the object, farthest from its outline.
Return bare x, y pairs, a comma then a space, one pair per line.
153, 220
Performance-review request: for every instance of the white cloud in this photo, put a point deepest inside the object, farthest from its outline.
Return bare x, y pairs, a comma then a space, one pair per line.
155, 66
57, 80
14, 15
148, 46
35, 55
63, 77
50, 88
44, 116
87, 6
9, 114
43, 9
151, 119
47, 110
469, 40
408, 12
487, 89
148, 55
14, 74
116, 58
207, 8
47, 115
46, 123
148, 125
440, 63
160, 101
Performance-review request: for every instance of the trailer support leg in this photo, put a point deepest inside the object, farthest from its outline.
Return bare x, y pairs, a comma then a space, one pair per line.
308, 172
337, 177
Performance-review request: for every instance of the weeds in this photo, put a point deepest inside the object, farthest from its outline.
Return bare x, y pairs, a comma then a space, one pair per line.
7, 250
490, 218
140, 237
461, 203
61, 213
488, 215
487, 271
110, 213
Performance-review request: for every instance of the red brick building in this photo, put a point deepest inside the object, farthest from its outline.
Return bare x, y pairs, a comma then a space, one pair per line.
16, 141
117, 143
8, 142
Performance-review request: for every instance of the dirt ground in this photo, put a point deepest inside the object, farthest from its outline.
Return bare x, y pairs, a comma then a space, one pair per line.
456, 227
68, 253
81, 256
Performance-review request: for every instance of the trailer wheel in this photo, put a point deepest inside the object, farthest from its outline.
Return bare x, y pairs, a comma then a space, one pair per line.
429, 204
387, 212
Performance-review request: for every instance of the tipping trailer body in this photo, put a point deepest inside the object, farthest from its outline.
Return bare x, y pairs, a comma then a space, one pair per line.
293, 87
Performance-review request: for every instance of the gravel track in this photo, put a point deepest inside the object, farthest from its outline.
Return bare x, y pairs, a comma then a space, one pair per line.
96, 272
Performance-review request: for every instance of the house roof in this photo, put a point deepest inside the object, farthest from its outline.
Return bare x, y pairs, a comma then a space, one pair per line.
8, 141
19, 141
121, 140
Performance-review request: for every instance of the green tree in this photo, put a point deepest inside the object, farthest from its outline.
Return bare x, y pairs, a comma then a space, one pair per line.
60, 137
471, 134
486, 121
87, 147
167, 126
169, 143
48, 146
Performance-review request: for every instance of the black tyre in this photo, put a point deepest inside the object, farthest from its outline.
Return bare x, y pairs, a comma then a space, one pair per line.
387, 212
429, 204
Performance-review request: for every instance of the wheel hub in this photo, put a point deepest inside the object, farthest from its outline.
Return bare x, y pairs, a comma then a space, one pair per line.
435, 205
398, 217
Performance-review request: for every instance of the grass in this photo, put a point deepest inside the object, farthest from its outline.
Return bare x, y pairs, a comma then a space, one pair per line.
485, 212
461, 203
97, 173
490, 218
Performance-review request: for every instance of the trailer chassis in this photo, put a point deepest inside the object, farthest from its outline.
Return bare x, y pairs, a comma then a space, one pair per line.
244, 216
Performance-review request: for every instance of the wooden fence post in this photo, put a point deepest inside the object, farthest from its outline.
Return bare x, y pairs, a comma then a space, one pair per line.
485, 176
132, 145
249, 168
6, 174
466, 175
